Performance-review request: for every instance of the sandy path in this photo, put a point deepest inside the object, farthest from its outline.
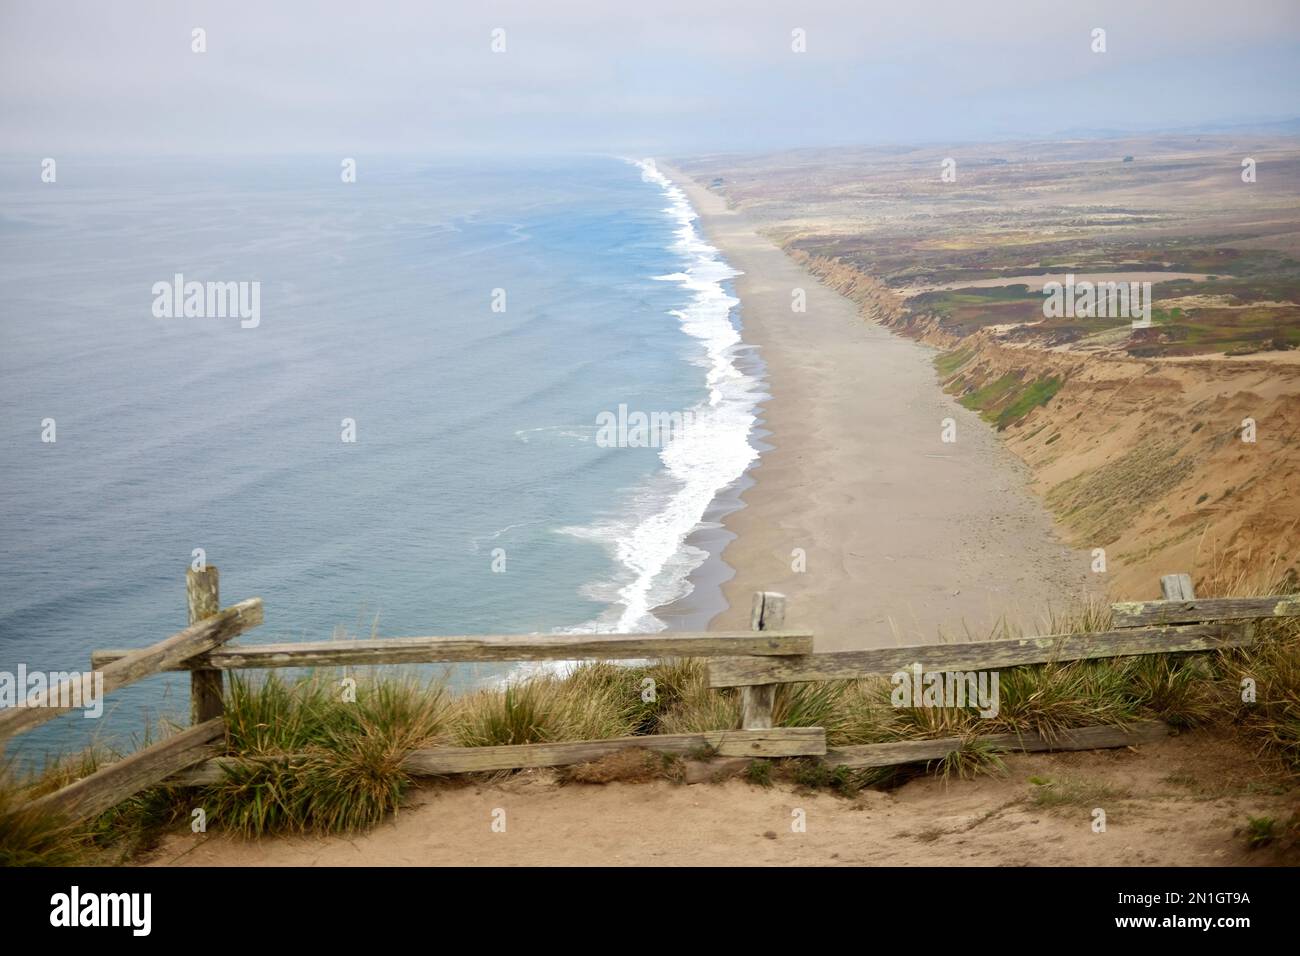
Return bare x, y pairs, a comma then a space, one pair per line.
904, 535
1181, 802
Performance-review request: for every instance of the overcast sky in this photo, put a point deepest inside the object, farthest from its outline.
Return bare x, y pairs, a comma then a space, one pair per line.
647, 78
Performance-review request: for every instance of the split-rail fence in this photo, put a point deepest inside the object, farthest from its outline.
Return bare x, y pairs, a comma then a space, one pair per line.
756, 661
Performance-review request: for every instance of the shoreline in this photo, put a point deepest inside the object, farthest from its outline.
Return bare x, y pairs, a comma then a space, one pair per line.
705, 460
705, 599
903, 539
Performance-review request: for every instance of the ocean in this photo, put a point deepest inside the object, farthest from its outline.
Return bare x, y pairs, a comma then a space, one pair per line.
402, 433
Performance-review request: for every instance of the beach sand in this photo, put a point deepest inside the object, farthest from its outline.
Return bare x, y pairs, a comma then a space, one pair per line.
907, 539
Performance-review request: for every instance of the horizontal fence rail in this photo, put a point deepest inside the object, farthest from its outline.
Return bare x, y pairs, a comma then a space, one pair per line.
917, 751
1145, 613
198, 638
499, 647
975, 655
109, 786
778, 742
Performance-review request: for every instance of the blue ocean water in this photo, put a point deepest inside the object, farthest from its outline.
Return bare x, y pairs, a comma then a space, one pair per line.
475, 429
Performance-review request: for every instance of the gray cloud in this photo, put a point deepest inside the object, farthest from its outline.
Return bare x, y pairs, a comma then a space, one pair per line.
675, 76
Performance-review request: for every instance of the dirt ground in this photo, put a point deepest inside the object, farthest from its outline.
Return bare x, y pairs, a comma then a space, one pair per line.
1182, 802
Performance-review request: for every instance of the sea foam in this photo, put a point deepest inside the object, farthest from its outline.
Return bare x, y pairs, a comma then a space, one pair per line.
649, 541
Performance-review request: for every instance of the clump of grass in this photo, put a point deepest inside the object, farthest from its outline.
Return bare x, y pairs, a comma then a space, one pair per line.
594, 702
356, 776
1259, 685
316, 760
1053, 698
1178, 690
1271, 672
517, 714
759, 773
925, 723
813, 705
865, 715
972, 758
1269, 831
666, 684
699, 708
272, 716
31, 837
1260, 831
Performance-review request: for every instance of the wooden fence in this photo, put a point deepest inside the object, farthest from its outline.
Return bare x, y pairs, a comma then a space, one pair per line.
756, 661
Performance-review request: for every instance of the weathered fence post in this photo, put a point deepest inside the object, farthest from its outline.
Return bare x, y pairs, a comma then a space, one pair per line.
202, 595
766, 614
1177, 587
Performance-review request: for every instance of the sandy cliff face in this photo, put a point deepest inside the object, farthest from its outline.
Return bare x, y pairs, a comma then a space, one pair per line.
1142, 458
875, 299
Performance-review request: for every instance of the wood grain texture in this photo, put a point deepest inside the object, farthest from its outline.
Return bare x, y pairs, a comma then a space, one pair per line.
756, 706
207, 686
1177, 587
503, 647
979, 655
916, 751
777, 742
1148, 613
108, 786
165, 655
766, 613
